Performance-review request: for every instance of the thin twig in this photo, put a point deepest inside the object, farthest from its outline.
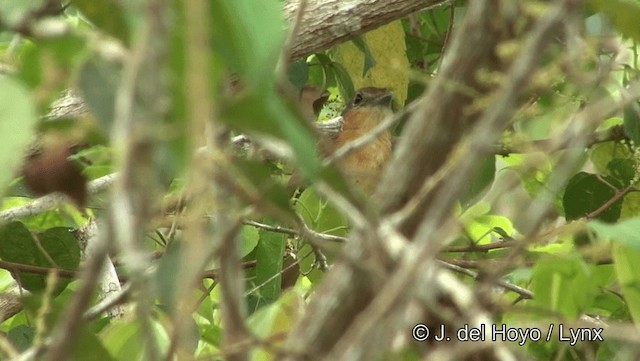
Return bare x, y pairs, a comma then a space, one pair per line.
525, 293
617, 196
306, 231
480, 247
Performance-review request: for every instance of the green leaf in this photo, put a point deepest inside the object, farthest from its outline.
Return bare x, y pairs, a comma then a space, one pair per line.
21, 336
58, 244
563, 286
259, 174
167, 273
298, 73
626, 260
248, 35
249, 237
622, 169
602, 154
108, 15
272, 320
269, 257
321, 72
625, 231
51, 58
320, 214
632, 122
369, 60
127, 340
87, 347
483, 179
624, 15
585, 193
98, 82
18, 119
344, 80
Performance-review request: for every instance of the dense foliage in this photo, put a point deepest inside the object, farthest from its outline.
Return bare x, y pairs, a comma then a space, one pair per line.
149, 149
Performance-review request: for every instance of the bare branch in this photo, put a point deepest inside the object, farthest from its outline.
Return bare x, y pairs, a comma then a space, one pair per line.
51, 201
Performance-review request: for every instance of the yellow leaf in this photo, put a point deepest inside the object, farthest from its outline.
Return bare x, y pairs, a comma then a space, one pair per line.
388, 48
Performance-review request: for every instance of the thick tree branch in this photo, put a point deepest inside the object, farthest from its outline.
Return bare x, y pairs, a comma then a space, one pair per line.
330, 22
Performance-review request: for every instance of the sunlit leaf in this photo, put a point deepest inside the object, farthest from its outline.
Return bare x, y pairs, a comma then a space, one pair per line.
18, 118
623, 13
562, 285
386, 45
625, 231
626, 260
249, 35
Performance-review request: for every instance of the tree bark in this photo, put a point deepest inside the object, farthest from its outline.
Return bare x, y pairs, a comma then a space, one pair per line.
329, 22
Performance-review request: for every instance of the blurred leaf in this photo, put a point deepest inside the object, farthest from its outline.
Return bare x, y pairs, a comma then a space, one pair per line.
269, 257
87, 347
586, 193
563, 286
272, 320
16, 127
632, 122
630, 206
18, 245
602, 154
169, 267
126, 340
298, 73
21, 336
262, 181
249, 237
14, 11
534, 181
249, 34
53, 60
98, 82
624, 15
108, 15
481, 228
625, 231
483, 179
626, 260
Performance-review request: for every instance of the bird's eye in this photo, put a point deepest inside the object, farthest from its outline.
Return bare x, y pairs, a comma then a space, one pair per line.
357, 99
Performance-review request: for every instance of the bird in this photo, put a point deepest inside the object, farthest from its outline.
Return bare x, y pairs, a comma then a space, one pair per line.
363, 167
48, 169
